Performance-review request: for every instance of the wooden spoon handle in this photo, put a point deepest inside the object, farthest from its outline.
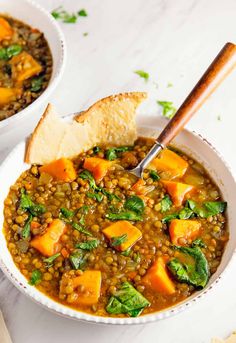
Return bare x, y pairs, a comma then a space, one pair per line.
222, 65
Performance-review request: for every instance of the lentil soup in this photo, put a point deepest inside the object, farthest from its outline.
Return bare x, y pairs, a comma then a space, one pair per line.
91, 236
25, 65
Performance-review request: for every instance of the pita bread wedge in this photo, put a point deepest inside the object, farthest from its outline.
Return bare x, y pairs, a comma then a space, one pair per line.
109, 121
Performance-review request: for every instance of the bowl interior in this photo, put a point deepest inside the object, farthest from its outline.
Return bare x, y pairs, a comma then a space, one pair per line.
189, 143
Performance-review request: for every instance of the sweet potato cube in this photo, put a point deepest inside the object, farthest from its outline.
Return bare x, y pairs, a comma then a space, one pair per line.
169, 161
157, 277
177, 191
123, 227
47, 243
61, 170
97, 166
183, 228
6, 32
8, 94
90, 292
24, 66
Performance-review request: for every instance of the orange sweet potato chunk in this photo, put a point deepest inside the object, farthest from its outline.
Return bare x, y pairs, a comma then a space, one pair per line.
6, 32
91, 282
47, 244
169, 161
120, 228
157, 277
24, 66
8, 94
61, 170
177, 191
183, 228
97, 166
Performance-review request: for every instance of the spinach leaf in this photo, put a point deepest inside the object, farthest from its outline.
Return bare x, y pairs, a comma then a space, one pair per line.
124, 216
110, 196
135, 204
169, 217
77, 259
197, 274
153, 174
36, 277
10, 51
126, 252
84, 209
185, 213
127, 300
27, 204
81, 229
115, 241
88, 245
209, 208
96, 150
95, 196
111, 154
36, 84
168, 110
166, 203
25, 233
49, 261
143, 74
86, 175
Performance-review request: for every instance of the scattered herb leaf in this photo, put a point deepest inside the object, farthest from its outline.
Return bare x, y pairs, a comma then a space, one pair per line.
96, 150
95, 196
64, 212
36, 84
111, 154
166, 203
77, 260
198, 243
168, 110
124, 216
153, 174
25, 233
49, 261
10, 51
27, 204
143, 74
88, 245
82, 13
135, 204
81, 229
115, 241
66, 17
208, 209
36, 277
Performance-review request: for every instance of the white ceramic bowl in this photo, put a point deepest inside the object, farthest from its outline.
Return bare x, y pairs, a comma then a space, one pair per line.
17, 126
190, 143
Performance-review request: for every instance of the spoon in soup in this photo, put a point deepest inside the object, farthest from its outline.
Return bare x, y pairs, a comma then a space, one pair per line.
221, 66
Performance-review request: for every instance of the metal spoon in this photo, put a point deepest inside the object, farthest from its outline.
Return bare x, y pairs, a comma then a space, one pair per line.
222, 65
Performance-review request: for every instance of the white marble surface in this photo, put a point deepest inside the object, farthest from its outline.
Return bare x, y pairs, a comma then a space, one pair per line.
174, 41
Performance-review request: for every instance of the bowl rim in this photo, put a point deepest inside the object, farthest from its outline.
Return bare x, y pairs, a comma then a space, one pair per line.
58, 72
67, 312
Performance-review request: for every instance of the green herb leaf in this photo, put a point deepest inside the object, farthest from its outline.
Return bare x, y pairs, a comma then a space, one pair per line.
169, 217
82, 13
198, 243
77, 260
81, 229
27, 204
142, 74
49, 261
36, 84
126, 252
185, 213
10, 51
168, 110
36, 277
66, 213
127, 300
115, 241
197, 274
166, 203
111, 154
96, 150
110, 196
88, 245
135, 204
86, 175
124, 216
60, 14
137, 257
25, 233
153, 174
95, 196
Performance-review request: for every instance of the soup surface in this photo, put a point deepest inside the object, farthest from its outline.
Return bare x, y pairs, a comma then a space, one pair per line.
91, 236
25, 65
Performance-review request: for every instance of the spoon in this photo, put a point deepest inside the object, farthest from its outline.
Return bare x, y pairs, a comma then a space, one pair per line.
222, 65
